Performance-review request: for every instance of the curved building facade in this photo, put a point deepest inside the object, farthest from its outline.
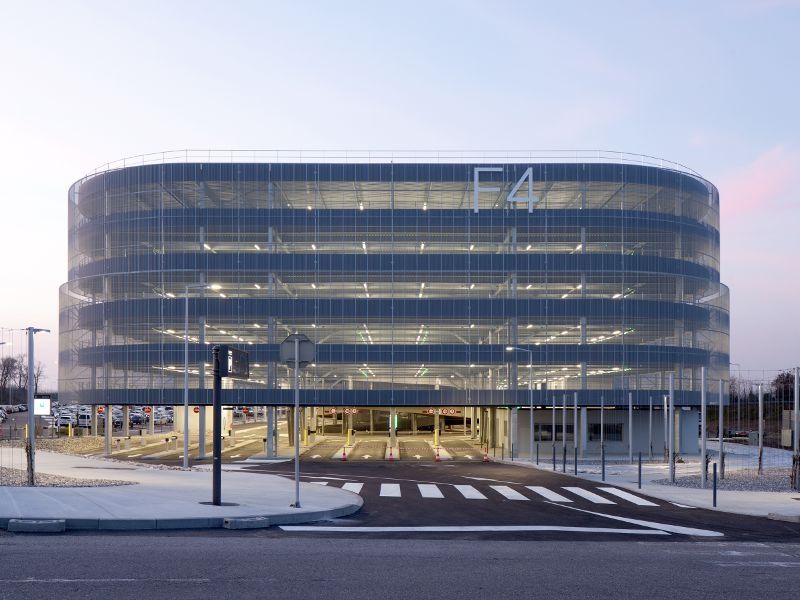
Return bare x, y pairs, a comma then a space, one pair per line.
413, 277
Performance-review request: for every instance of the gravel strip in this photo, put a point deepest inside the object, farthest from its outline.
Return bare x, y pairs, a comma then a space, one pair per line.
772, 480
19, 478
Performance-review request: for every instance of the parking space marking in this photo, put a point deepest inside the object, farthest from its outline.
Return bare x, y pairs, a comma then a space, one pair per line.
430, 490
590, 496
469, 492
547, 494
391, 490
626, 496
353, 487
509, 493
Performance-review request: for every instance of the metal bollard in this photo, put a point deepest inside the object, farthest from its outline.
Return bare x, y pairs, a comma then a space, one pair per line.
503, 451
564, 459
602, 462
554, 458
537, 453
714, 487
575, 459
640, 470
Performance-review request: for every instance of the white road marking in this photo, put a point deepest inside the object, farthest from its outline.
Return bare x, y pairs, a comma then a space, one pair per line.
236, 456
468, 456
391, 490
133, 455
469, 492
353, 487
590, 496
626, 496
495, 480
662, 526
430, 490
316, 456
105, 580
367, 456
319, 482
769, 563
508, 492
469, 529
549, 494
417, 456
681, 505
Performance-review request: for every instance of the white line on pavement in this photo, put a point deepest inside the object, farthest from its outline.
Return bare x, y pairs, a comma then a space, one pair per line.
133, 455
626, 496
391, 490
590, 496
319, 482
549, 494
508, 492
469, 492
469, 529
662, 526
429, 490
353, 487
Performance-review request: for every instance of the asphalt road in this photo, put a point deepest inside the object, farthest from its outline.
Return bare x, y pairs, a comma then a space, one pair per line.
260, 565
476, 500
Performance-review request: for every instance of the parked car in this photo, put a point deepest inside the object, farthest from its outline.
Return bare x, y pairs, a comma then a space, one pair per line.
65, 419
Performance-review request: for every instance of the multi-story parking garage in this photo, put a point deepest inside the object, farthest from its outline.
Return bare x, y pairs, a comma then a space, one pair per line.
483, 285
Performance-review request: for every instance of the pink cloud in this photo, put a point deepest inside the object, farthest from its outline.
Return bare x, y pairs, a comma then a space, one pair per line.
768, 181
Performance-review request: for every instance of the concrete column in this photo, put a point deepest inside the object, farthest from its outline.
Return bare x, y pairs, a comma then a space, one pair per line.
94, 421
270, 444
513, 433
437, 433
371, 421
584, 431
151, 429
109, 424
126, 426
392, 430
413, 423
465, 420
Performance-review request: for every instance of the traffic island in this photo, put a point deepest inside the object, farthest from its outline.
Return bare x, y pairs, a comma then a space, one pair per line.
165, 499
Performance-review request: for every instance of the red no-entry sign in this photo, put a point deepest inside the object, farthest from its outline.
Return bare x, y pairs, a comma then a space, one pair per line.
196, 409
101, 409
147, 410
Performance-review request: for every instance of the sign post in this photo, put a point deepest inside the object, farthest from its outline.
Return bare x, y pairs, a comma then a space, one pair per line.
226, 362
297, 351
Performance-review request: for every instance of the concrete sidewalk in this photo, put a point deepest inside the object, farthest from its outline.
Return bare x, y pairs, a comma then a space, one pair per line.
164, 498
777, 505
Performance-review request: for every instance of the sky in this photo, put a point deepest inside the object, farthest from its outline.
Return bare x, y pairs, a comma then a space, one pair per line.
711, 85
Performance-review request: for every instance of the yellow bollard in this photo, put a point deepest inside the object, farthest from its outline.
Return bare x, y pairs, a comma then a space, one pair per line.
349, 437
26, 431
69, 429
305, 436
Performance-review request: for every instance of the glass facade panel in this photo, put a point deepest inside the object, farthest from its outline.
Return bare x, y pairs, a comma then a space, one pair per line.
411, 282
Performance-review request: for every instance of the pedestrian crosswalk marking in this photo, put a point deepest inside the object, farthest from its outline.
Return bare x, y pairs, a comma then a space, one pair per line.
626, 496
430, 490
320, 482
548, 494
353, 487
509, 493
391, 490
590, 496
469, 492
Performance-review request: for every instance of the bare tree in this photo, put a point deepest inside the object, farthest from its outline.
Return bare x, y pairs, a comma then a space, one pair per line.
22, 373
8, 370
38, 374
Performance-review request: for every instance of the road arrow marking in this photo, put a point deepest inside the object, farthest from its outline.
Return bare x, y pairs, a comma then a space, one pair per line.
367, 456
316, 456
417, 456
468, 456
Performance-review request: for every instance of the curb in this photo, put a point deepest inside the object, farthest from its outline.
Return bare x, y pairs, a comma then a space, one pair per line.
33, 525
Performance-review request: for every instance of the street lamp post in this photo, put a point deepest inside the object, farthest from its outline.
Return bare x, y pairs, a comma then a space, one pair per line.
530, 390
31, 416
201, 286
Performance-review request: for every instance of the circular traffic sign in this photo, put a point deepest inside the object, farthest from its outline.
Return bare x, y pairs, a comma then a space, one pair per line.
333, 411
101, 409
147, 410
196, 409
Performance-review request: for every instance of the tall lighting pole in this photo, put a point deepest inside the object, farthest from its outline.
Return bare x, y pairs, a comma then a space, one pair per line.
31, 416
530, 390
200, 286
